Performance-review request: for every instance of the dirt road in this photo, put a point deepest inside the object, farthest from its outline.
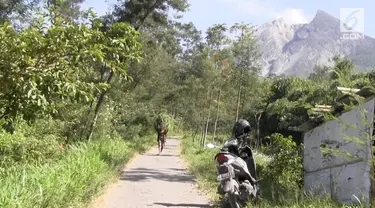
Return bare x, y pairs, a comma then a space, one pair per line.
150, 180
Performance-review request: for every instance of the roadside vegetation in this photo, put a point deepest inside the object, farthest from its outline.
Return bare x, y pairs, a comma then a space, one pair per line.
282, 102
79, 94
280, 183
46, 175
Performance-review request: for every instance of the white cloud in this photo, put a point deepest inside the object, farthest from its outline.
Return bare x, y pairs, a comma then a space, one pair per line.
293, 16
265, 9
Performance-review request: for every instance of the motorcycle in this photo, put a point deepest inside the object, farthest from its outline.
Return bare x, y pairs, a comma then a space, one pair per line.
236, 165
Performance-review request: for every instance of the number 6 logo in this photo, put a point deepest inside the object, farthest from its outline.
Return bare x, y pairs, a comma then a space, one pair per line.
350, 18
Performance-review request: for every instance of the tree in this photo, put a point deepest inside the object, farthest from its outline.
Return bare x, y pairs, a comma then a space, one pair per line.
191, 39
320, 73
246, 57
136, 13
147, 13
44, 67
342, 71
16, 9
216, 39
69, 9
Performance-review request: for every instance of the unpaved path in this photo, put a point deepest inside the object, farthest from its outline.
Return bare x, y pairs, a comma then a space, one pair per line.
152, 180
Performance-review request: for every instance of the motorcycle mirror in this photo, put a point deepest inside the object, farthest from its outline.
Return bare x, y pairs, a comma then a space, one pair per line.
224, 149
231, 141
257, 181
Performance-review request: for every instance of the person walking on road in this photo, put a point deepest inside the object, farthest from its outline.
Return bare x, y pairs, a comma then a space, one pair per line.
162, 130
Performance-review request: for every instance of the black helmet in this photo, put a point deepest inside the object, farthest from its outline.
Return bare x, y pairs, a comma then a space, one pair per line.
241, 128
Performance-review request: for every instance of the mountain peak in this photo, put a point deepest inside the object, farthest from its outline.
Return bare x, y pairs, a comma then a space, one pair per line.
325, 21
321, 12
280, 19
323, 16
297, 49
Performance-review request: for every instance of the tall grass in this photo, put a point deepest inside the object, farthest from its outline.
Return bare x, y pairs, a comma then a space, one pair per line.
70, 181
201, 163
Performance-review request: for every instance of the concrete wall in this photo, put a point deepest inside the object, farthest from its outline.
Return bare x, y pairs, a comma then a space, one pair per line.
337, 175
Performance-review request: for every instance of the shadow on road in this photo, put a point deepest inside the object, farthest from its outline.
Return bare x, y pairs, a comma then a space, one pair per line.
144, 174
177, 169
156, 154
167, 155
168, 146
183, 205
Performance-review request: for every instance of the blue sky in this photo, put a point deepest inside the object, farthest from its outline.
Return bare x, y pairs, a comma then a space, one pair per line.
205, 13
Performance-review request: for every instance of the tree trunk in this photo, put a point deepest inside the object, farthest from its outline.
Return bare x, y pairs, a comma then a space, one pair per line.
102, 76
195, 125
202, 135
217, 114
208, 118
197, 116
242, 103
98, 107
257, 119
202, 121
195, 133
206, 128
238, 102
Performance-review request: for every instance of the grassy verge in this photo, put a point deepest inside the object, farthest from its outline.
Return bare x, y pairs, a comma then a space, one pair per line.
72, 180
201, 164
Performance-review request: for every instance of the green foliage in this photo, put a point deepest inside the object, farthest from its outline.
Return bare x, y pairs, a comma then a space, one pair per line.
152, 13
244, 48
20, 150
42, 67
16, 9
51, 77
201, 163
69, 9
286, 168
342, 71
292, 88
165, 120
56, 71
74, 178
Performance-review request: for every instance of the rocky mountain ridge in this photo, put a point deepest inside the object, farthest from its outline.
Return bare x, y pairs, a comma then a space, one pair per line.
295, 50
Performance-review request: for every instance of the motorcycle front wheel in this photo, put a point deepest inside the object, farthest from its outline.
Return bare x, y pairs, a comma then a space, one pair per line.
232, 199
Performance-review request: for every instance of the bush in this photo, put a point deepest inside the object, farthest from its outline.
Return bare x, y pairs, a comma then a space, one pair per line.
16, 149
81, 172
285, 169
